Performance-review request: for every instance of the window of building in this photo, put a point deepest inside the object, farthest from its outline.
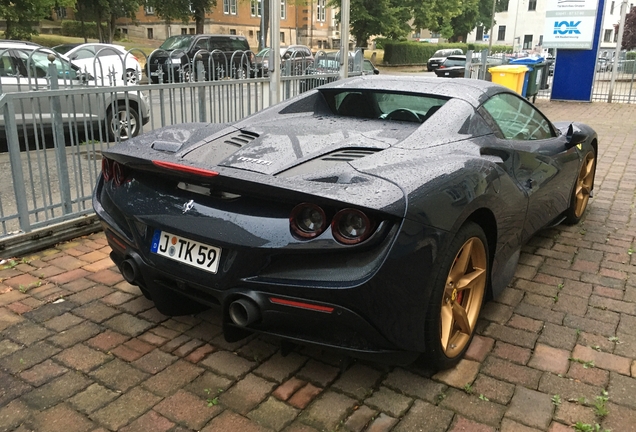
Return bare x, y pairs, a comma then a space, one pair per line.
480, 33
60, 12
541, 40
283, 9
615, 36
503, 5
251, 33
527, 42
255, 8
150, 10
233, 32
150, 34
612, 9
229, 7
607, 36
282, 37
435, 35
321, 11
532, 5
192, 30
501, 33
184, 31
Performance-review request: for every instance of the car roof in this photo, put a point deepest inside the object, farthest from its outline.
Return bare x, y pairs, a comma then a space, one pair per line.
470, 90
7, 44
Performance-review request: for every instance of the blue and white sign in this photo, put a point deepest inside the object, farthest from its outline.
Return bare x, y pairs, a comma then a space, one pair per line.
570, 24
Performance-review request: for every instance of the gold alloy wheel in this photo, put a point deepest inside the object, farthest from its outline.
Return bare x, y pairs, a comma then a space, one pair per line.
463, 295
584, 184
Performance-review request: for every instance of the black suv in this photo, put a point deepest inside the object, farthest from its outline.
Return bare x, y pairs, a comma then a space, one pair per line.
222, 56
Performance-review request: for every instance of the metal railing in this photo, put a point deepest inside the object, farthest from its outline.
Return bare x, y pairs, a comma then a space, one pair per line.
56, 122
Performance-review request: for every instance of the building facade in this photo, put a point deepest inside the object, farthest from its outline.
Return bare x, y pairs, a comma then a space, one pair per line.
522, 24
312, 24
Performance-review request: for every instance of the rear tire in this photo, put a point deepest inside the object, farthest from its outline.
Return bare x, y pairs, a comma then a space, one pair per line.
459, 284
582, 189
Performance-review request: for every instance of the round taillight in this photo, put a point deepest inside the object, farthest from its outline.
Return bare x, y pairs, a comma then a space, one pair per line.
107, 169
307, 220
351, 226
119, 174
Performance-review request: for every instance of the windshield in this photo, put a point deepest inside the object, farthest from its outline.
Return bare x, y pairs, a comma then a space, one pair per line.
177, 42
454, 62
263, 52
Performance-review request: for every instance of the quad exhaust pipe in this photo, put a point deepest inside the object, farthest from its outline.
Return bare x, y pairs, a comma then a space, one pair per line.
244, 312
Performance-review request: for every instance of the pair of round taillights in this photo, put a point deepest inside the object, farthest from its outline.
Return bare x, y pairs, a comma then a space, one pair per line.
348, 226
113, 171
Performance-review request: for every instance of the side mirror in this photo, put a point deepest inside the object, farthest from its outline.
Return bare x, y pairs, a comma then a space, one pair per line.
575, 136
376, 71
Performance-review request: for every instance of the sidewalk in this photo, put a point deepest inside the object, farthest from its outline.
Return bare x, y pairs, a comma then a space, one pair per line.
82, 350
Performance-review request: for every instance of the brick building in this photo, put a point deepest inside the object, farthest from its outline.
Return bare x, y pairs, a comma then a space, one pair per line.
311, 24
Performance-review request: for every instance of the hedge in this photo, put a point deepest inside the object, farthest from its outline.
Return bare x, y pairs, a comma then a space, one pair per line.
402, 53
74, 28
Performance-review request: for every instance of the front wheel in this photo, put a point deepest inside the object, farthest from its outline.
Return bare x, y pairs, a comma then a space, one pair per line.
131, 77
582, 190
123, 124
459, 286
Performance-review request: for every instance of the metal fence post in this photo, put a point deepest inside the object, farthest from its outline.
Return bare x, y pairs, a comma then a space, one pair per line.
201, 93
13, 144
59, 141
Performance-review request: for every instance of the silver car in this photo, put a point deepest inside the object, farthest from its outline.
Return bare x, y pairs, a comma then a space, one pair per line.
24, 67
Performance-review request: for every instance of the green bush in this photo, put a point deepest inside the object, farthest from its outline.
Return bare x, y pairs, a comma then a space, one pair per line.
418, 53
74, 28
631, 55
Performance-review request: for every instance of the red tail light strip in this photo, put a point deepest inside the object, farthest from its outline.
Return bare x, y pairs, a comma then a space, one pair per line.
301, 305
185, 168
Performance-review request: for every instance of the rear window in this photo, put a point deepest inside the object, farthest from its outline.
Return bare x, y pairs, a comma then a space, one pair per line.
372, 104
454, 62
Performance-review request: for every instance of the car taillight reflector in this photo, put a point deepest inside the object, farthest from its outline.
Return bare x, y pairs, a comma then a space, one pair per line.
186, 169
107, 169
351, 226
301, 305
307, 220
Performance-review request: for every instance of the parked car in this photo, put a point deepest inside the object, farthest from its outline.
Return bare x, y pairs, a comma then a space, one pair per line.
101, 60
439, 56
604, 65
372, 215
299, 57
25, 68
222, 56
453, 67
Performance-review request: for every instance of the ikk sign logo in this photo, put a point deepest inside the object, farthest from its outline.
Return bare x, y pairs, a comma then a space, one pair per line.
571, 27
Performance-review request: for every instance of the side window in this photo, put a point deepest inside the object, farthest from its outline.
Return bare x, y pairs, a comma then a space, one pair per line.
84, 53
202, 44
518, 119
38, 63
6, 66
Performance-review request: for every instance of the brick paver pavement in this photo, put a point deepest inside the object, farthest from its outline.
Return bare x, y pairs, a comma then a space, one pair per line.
82, 350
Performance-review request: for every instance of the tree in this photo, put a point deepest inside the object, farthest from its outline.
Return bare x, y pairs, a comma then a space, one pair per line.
436, 15
184, 11
629, 33
376, 17
475, 13
21, 16
107, 11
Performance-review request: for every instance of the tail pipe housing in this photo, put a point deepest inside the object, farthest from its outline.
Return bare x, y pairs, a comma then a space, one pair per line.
244, 312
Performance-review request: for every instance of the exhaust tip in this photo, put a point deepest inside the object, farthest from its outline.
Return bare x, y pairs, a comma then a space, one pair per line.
244, 312
129, 271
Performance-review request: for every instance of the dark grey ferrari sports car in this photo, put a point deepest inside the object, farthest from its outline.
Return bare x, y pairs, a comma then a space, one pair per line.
372, 215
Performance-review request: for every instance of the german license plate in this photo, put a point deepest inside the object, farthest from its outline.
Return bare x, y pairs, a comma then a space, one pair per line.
186, 251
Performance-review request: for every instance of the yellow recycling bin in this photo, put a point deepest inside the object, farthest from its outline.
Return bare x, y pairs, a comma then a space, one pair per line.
511, 76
